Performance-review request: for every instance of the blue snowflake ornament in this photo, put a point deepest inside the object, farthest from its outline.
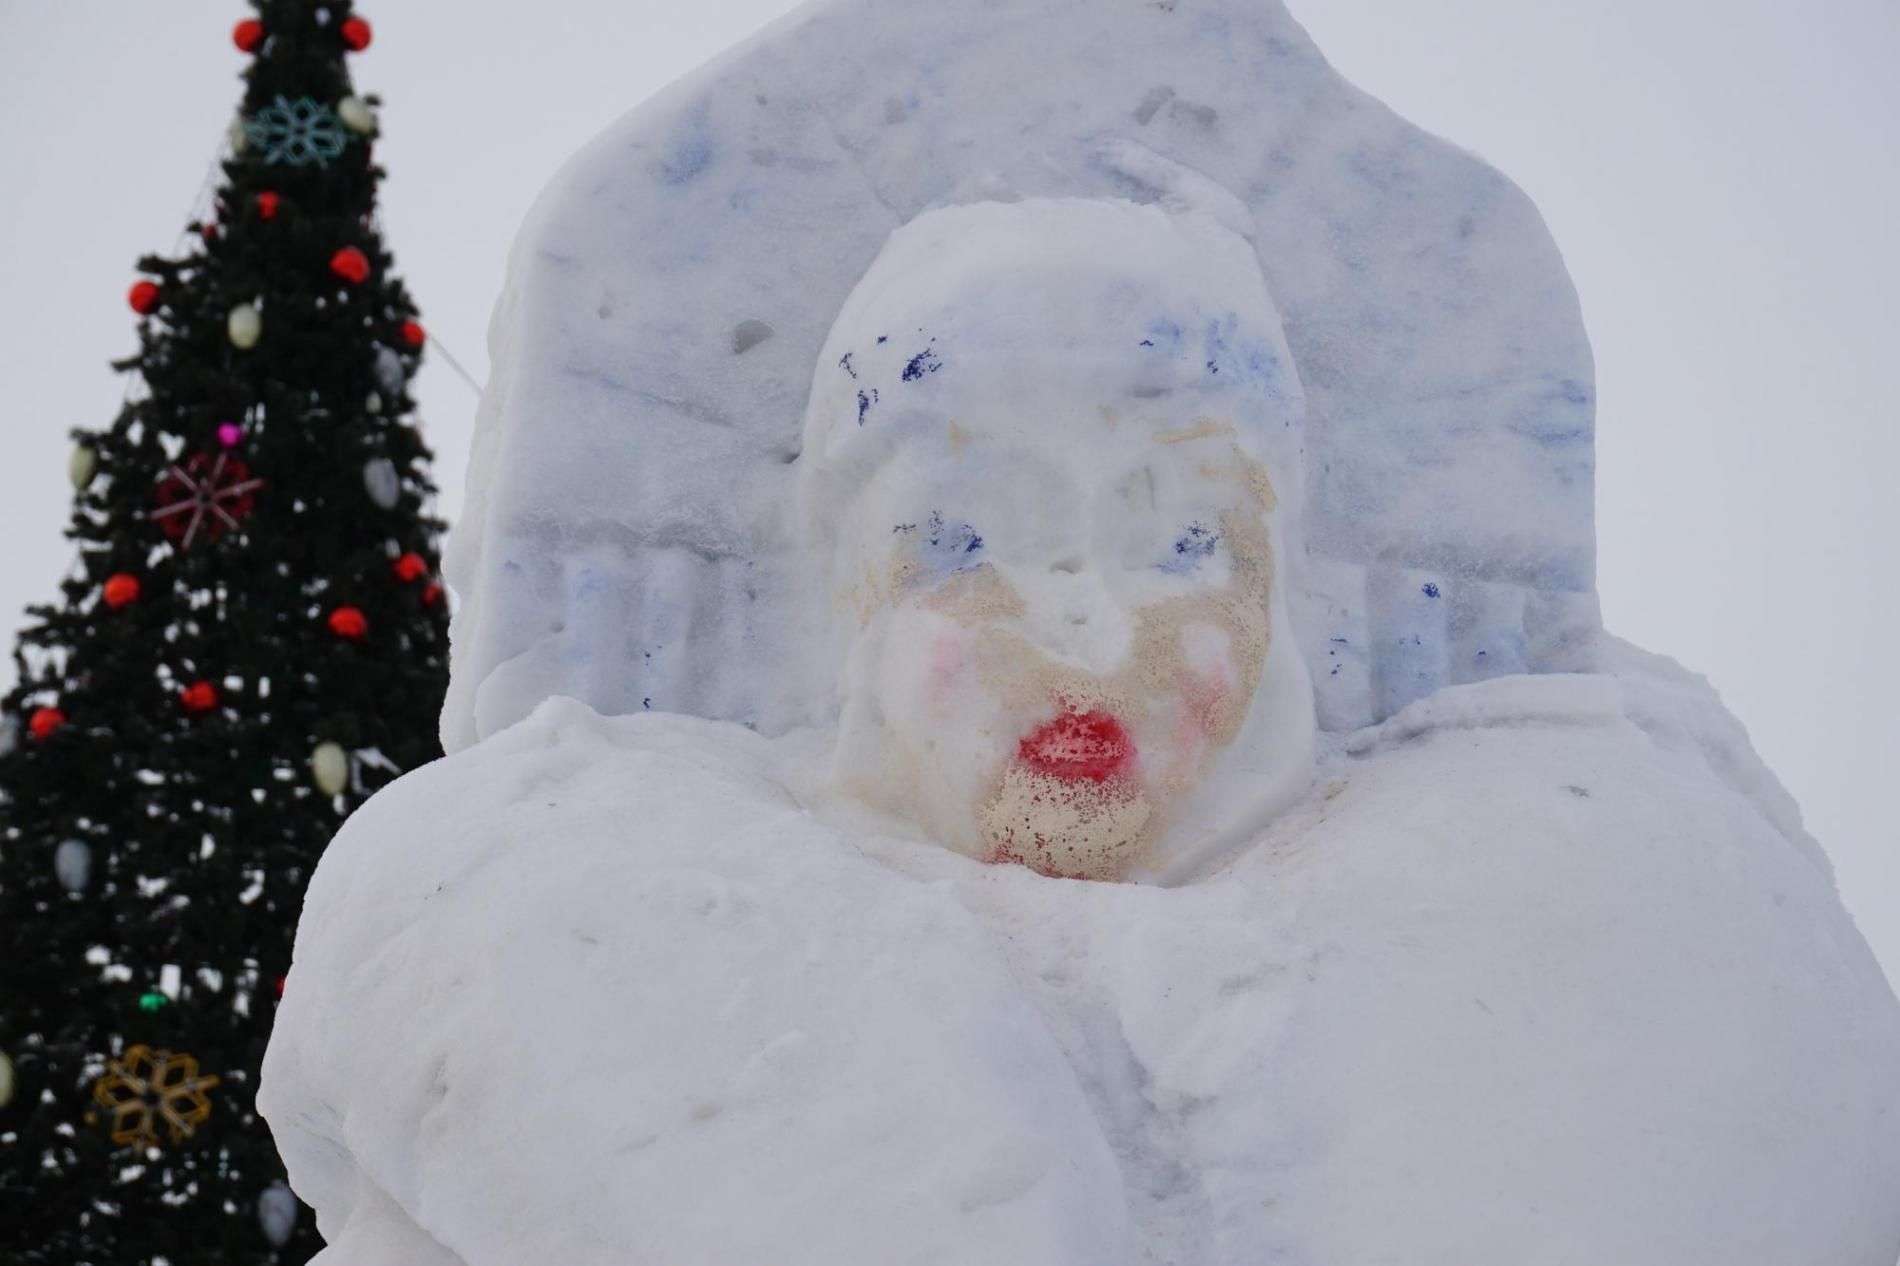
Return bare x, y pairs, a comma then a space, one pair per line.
297, 133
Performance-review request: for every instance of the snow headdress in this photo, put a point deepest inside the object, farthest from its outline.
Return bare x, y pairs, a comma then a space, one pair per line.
629, 536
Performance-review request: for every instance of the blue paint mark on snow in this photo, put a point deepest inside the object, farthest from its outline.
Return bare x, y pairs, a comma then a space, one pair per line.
692, 153
1165, 336
924, 362
1262, 365
948, 547
1215, 339
1219, 348
1194, 547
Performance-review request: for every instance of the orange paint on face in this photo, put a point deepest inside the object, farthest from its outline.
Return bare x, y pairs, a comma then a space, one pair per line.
1204, 706
1065, 827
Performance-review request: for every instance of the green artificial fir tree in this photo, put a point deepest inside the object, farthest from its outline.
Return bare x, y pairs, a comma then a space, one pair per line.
251, 641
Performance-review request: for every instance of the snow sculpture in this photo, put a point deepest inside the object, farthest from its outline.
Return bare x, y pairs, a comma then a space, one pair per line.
1193, 487
1041, 458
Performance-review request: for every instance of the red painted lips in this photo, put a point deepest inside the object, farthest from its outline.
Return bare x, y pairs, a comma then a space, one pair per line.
1079, 747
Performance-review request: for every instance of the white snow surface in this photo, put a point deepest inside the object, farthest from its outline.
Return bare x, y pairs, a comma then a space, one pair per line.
1529, 976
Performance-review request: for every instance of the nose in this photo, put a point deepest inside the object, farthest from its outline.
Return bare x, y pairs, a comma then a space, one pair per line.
1075, 613
1070, 615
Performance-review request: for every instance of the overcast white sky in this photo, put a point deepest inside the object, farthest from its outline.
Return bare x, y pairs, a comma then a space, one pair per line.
1722, 176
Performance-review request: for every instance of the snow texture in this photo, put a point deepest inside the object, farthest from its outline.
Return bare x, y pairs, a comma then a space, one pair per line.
1468, 936
668, 299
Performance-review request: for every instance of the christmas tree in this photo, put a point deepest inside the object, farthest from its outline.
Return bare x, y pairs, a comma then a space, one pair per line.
251, 641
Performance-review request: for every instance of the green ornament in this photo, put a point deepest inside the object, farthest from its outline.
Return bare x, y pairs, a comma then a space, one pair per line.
153, 1001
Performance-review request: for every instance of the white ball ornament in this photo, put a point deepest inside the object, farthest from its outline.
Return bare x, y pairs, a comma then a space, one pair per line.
245, 325
330, 768
390, 374
356, 115
72, 863
277, 1213
9, 734
82, 465
240, 140
382, 482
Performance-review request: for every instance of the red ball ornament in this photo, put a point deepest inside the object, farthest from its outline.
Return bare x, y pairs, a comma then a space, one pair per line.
209, 232
413, 334
351, 265
247, 35
198, 698
432, 594
120, 590
143, 297
281, 982
266, 202
45, 722
411, 568
349, 622
356, 34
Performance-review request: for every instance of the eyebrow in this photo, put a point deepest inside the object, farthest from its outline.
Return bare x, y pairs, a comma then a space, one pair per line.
1199, 431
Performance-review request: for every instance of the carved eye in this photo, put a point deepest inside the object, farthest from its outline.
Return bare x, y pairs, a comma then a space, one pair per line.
943, 546
1193, 547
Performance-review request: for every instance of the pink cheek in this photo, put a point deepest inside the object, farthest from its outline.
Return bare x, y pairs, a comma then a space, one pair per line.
1204, 701
945, 667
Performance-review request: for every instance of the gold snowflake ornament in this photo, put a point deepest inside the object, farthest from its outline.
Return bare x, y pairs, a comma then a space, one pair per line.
144, 1088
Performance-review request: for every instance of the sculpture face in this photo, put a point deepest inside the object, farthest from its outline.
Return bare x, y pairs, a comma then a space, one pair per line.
1052, 653
1051, 538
